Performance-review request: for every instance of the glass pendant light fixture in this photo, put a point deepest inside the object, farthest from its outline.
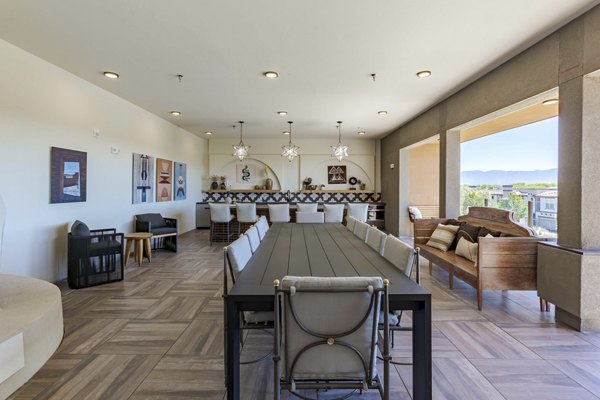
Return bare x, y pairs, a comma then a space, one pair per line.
340, 150
290, 151
240, 150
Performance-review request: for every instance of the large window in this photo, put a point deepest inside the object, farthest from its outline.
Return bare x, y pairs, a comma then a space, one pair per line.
516, 170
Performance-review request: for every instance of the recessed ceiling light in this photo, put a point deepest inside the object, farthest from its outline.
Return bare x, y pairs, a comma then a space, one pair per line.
208, 133
286, 133
282, 112
361, 132
271, 74
111, 75
382, 112
176, 113
549, 102
423, 74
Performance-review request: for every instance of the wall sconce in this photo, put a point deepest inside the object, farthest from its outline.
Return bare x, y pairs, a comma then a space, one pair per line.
392, 165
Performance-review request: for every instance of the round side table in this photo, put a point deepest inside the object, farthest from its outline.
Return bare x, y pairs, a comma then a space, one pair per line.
142, 241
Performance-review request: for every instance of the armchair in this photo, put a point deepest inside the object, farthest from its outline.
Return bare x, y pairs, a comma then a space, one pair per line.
94, 256
164, 230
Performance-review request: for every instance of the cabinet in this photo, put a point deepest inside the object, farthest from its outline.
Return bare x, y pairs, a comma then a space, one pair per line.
376, 215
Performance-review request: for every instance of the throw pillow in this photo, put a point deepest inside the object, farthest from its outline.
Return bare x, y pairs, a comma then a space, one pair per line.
414, 213
80, 229
467, 249
468, 231
442, 237
485, 231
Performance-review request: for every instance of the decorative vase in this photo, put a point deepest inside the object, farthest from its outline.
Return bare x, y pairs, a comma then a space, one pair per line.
223, 186
269, 183
214, 185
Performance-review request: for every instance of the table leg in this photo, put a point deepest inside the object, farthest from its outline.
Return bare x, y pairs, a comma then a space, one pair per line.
148, 249
422, 352
139, 251
127, 250
233, 350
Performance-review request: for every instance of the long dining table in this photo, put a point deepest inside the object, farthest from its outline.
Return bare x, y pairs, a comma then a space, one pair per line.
323, 250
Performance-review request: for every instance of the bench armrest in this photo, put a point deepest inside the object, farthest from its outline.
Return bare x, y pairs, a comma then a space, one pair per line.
508, 252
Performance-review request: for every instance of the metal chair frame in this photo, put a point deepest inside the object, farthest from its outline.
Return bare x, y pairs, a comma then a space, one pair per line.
378, 296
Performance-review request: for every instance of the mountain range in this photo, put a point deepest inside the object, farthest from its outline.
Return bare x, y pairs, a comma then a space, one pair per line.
497, 177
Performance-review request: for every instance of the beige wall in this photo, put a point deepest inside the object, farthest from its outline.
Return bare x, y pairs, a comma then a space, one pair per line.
42, 106
567, 53
423, 175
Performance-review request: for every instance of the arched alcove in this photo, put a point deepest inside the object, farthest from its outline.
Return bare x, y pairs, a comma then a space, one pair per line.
262, 171
318, 173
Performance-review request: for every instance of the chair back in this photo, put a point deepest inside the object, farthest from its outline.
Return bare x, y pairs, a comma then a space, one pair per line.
328, 328
361, 230
279, 212
307, 217
400, 254
376, 239
263, 226
246, 212
237, 255
350, 222
252, 235
334, 213
307, 207
155, 219
219, 212
360, 211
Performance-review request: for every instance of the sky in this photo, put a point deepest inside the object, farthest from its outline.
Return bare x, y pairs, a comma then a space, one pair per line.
526, 148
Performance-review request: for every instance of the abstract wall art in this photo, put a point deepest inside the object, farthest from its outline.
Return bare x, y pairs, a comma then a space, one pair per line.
164, 180
336, 174
68, 175
245, 173
180, 181
143, 178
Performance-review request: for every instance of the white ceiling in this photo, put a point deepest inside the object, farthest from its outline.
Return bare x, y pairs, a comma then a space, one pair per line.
324, 51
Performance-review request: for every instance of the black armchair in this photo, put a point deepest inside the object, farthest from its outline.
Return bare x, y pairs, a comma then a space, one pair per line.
164, 230
95, 256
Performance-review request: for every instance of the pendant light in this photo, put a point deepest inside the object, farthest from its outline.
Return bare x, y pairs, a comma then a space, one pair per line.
341, 150
290, 151
240, 150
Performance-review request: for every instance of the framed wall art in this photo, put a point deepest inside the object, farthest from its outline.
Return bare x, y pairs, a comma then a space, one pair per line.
68, 175
336, 174
164, 180
143, 178
179, 181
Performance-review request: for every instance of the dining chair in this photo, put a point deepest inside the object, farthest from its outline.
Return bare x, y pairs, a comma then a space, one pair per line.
253, 238
236, 256
307, 207
245, 214
334, 213
220, 214
279, 213
376, 239
350, 222
336, 347
263, 226
361, 230
307, 217
360, 211
405, 258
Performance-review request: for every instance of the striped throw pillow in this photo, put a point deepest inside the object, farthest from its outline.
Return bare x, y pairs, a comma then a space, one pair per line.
466, 249
443, 236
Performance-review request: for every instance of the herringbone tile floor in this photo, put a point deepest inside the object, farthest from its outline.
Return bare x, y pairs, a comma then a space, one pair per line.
158, 335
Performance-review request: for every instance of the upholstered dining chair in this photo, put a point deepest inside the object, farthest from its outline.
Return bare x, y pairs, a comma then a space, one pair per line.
245, 214
220, 216
334, 213
361, 230
252, 235
405, 258
336, 347
307, 217
279, 212
307, 207
263, 226
350, 222
360, 211
376, 239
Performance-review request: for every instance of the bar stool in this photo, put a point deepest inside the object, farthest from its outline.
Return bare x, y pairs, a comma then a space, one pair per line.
279, 213
220, 214
246, 214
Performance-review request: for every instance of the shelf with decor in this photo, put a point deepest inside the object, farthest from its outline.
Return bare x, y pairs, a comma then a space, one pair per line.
243, 191
336, 191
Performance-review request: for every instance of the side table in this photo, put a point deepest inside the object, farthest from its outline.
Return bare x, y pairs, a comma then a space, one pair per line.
140, 239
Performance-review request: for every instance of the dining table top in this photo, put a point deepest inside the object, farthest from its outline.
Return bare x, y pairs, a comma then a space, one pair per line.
325, 250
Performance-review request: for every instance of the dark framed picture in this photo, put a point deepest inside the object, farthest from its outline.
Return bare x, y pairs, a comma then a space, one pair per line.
68, 175
336, 174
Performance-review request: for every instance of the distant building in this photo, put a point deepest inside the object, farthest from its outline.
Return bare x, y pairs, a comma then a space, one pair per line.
546, 210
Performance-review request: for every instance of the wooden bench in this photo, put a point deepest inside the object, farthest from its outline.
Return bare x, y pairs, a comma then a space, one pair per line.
503, 263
